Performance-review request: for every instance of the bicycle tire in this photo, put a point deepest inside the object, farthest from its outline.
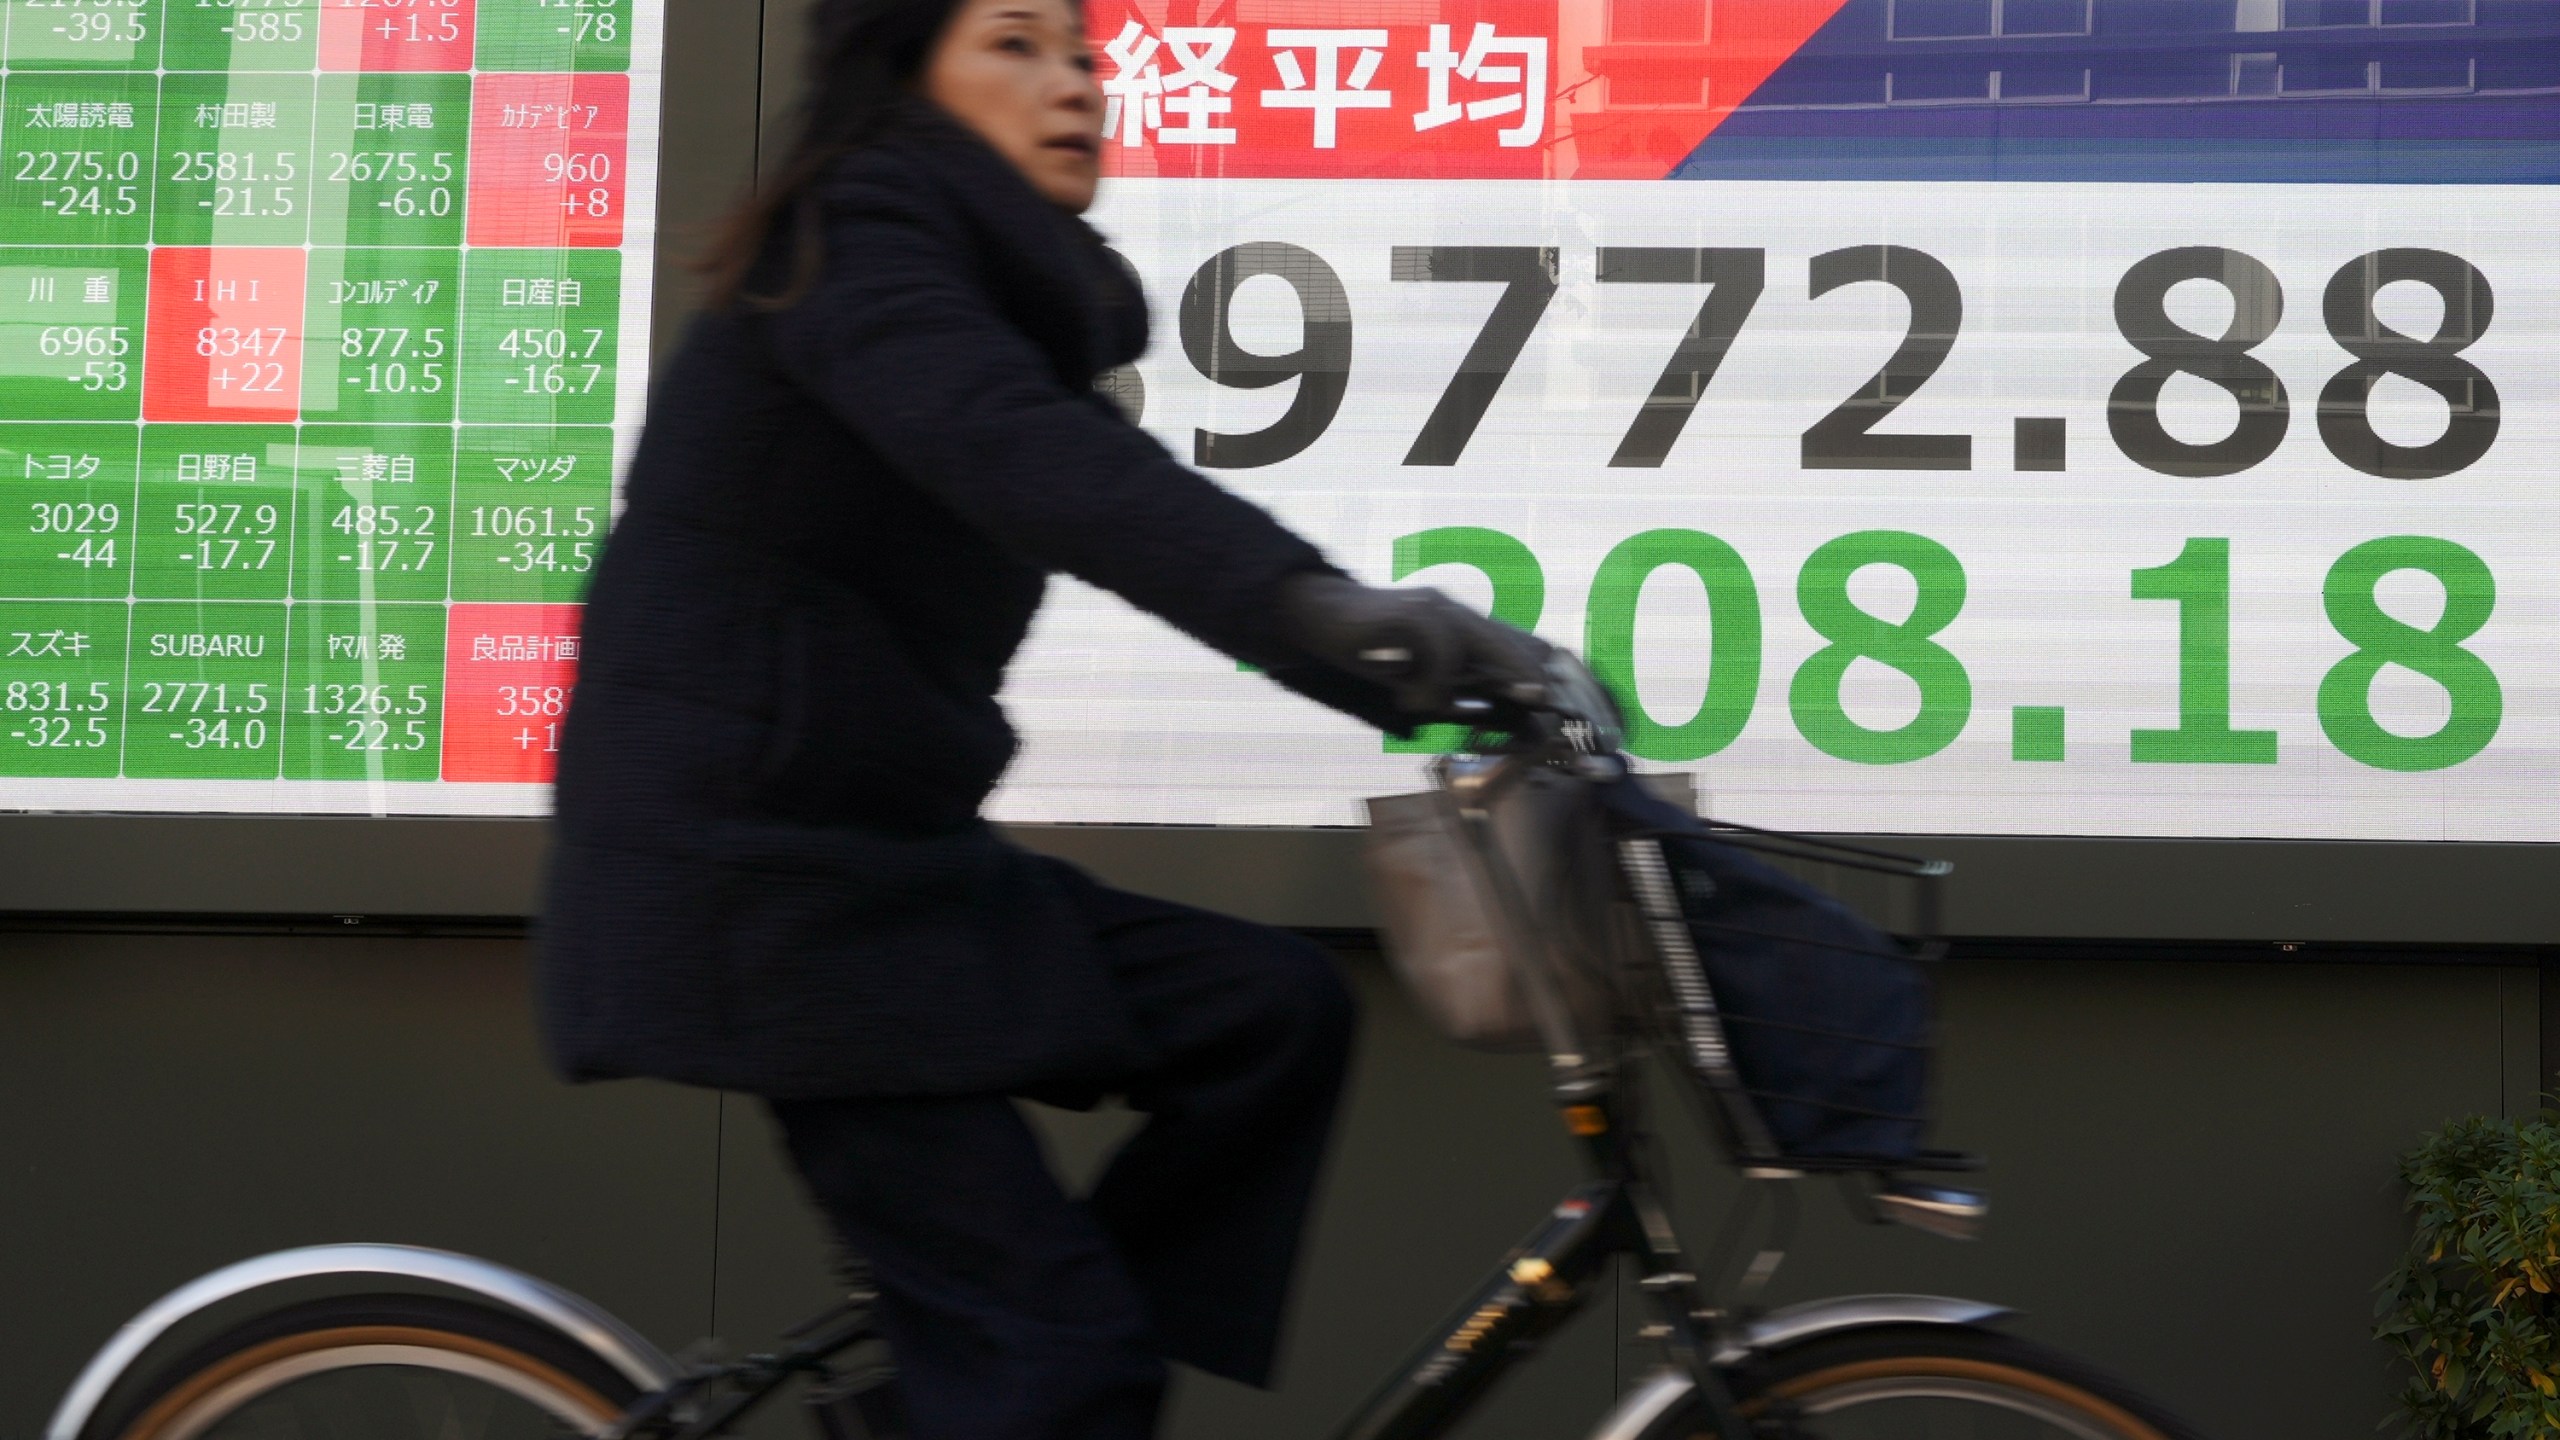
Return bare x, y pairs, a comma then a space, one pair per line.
1958, 1369
247, 1365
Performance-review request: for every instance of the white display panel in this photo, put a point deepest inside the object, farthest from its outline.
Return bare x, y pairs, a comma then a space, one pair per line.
2369, 598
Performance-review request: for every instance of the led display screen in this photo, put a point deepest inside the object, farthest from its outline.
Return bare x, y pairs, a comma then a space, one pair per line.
322, 325
2128, 417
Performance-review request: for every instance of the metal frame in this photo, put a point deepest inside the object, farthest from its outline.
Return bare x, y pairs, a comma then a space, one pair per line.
2455, 900
729, 62
728, 71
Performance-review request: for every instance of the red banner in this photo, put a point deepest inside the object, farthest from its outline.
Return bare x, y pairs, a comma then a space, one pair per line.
1430, 89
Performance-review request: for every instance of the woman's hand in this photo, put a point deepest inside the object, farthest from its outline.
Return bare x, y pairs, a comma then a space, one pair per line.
1425, 648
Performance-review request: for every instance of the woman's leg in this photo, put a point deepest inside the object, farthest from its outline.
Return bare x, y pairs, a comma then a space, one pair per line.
1251, 1029
1007, 1310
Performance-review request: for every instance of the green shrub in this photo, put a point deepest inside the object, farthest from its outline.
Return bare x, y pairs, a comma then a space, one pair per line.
2472, 1307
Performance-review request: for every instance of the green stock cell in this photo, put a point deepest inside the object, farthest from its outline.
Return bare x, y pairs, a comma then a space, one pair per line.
554, 35
67, 511
235, 160
78, 157
82, 34
61, 689
205, 692
71, 333
380, 336
390, 152
530, 507
377, 513
216, 513
541, 336
242, 35
364, 698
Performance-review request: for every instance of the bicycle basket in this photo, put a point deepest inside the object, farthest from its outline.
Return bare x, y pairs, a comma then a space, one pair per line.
1809, 1025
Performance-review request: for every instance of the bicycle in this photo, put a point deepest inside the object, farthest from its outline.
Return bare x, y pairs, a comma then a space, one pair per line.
516, 1356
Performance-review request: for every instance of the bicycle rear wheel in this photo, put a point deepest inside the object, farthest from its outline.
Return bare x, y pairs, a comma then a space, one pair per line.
377, 1367
1941, 1382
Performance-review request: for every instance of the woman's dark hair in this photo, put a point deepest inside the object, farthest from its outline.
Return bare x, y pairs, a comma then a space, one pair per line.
865, 58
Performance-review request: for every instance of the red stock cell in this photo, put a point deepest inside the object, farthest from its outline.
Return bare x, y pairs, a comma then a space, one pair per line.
395, 35
225, 335
508, 671
549, 159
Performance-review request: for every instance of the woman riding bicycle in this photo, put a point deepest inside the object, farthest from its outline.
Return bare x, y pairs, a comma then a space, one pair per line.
876, 444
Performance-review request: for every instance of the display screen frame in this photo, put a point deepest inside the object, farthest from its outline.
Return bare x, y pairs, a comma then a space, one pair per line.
727, 91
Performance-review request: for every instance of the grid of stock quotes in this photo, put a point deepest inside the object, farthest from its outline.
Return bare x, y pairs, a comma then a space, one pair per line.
314, 355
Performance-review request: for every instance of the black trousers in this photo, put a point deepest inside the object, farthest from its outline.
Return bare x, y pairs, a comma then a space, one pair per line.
1015, 1311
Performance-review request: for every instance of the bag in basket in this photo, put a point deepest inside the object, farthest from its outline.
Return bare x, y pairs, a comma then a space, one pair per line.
1444, 931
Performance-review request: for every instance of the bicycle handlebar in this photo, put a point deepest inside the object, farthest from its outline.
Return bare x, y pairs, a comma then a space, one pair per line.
1574, 706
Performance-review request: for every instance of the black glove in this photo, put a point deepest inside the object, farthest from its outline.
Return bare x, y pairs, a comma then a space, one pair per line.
1425, 648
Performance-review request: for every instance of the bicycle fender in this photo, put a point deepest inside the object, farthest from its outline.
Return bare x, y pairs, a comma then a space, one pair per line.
575, 1317
1647, 1405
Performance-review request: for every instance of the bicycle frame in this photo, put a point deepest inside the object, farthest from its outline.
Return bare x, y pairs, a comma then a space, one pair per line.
1553, 1273
1545, 1281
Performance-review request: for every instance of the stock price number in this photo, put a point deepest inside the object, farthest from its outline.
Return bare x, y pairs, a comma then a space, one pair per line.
244, 371
395, 360
88, 527
371, 719
540, 539
538, 702
411, 27
57, 714
85, 183
214, 715
90, 22
261, 22
548, 557
246, 184
586, 177
555, 362
230, 534
2197, 581
1846, 438
422, 180
389, 539
98, 349
596, 20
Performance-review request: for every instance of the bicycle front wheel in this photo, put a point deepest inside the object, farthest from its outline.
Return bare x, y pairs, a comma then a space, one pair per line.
1943, 1382
378, 1367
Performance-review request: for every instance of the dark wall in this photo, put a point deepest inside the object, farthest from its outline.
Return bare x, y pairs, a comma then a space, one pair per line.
2192, 1165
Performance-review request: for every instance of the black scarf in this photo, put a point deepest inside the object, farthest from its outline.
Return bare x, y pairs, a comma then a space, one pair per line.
1050, 272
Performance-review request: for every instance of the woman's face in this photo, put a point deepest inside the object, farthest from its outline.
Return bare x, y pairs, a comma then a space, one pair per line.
1017, 72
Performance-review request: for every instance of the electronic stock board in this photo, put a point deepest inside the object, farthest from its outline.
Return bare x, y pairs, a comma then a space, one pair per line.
2043, 417
322, 326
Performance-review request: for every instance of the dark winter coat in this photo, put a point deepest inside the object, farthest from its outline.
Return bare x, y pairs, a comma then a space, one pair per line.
770, 874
